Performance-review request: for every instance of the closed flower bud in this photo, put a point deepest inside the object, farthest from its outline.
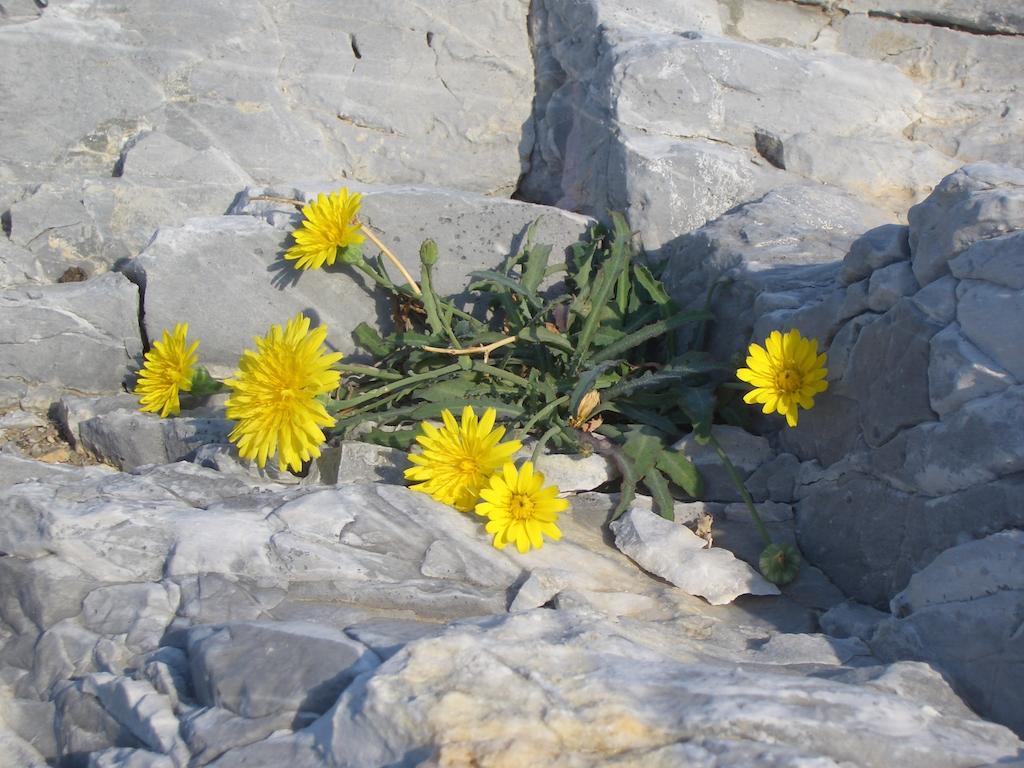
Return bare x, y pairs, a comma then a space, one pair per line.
428, 253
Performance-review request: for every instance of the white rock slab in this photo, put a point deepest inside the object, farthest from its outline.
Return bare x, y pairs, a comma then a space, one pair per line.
678, 555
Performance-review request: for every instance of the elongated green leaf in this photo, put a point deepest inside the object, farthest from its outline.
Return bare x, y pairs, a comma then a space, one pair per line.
627, 490
369, 371
489, 277
368, 338
626, 343
651, 284
664, 504
392, 387
401, 439
699, 406
536, 261
648, 418
449, 389
541, 335
680, 470
643, 450
603, 288
587, 381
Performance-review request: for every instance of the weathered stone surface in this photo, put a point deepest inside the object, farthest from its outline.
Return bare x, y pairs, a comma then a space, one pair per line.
298, 91
958, 372
355, 462
992, 317
890, 284
851, 619
596, 686
996, 260
81, 336
978, 202
675, 553
187, 270
873, 250
962, 613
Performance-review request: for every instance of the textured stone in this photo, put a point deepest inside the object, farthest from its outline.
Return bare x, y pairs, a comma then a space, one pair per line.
851, 619
256, 670
298, 90
992, 317
890, 284
675, 553
355, 462
978, 202
595, 676
82, 336
873, 250
958, 372
140, 611
996, 260
962, 613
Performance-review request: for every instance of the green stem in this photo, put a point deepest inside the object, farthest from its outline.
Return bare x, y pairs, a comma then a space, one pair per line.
388, 389
538, 449
369, 370
742, 488
543, 413
374, 275
481, 367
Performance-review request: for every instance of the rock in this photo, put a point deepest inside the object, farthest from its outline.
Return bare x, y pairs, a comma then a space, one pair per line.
989, 315
875, 249
83, 725
994, 260
978, 202
999, 17
140, 611
958, 372
571, 473
675, 553
355, 462
323, 111
851, 619
777, 251
186, 270
775, 479
303, 667
890, 284
141, 709
975, 585
14, 750
81, 336
746, 451
596, 675
129, 439
212, 731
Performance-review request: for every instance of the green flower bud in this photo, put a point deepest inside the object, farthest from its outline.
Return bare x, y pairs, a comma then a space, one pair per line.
350, 254
780, 565
203, 384
428, 253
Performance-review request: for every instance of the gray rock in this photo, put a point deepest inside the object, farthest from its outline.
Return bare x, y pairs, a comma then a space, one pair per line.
775, 479
996, 260
976, 585
851, 619
355, 462
139, 611
80, 336
571, 473
299, 89
82, 724
211, 731
1002, 16
300, 667
126, 757
873, 250
129, 439
746, 451
146, 713
675, 553
958, 372
888, 371
19, 266
938, 300
978, 202
890, 284
14, 750
598, 671
990, 316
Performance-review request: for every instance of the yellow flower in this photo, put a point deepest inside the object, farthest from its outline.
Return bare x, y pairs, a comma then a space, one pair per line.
458, 460
786, 374
274, 397
330, 224
167, 369
520, 509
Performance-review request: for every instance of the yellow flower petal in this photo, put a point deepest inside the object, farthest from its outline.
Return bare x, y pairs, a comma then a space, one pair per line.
785, 374
166, 371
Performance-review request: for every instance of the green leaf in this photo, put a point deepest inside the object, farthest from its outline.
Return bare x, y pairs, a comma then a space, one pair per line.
643, 450
536, 261
651, 284
680, 470
649, 418
699, 406
587, 382
541, 335
623, 345
203, 384
368, 338
490, 277
401, 439
663, 501
603, 287
449, 389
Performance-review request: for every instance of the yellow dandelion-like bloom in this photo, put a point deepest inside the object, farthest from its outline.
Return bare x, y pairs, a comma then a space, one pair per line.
459, 459
274, 395
520, 510
167, 370
786, 374
330, 225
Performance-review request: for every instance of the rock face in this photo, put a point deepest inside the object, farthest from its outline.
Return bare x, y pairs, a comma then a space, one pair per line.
676, 114
205, 621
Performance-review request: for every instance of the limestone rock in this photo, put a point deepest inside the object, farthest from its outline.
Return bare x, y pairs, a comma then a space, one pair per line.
746, 451
961, 613
297, 92
958, 372
675, 553
80, 336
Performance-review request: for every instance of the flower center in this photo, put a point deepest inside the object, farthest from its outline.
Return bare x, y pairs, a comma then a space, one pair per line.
520, 507
468, 467
788, 380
